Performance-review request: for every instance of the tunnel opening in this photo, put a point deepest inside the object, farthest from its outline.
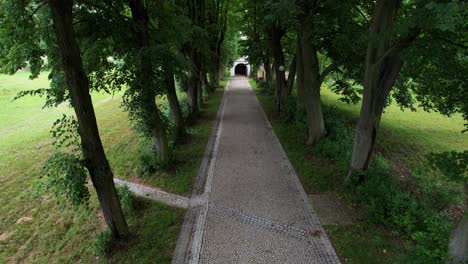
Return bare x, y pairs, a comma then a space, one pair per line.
240, 69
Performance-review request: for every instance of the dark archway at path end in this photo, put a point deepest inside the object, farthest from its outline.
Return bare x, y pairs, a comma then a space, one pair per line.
240, 69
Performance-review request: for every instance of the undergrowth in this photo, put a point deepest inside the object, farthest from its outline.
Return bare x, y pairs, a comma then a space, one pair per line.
415, 207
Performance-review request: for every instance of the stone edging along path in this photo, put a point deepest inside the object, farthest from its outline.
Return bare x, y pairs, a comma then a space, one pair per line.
189, 241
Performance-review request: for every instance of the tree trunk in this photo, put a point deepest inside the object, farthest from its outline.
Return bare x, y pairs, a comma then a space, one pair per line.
158, 132
201, 99
174, 103
273, 74
219, 45
192, 92
78, 86
144, 76
279, 62
299, 76
268, 73
213, 78
208, 88
221, 74
197, 15
195, 82
291, 76
309, 84
380, 76
458, 242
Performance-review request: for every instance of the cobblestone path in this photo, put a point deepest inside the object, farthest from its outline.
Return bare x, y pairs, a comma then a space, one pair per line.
253, 208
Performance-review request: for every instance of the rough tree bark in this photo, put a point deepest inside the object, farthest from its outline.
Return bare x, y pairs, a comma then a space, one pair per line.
78, 86
197, 14
144, 75
273, 74
291, 76
206, 84
458, 242
299, 76
269, 73
221, 18
382, 69
174, 103
201, 98
275, 41
309, 76
309, 82
194, 85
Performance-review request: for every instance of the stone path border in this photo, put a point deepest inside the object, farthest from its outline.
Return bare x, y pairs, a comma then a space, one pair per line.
323, 249
194, 256
188, 235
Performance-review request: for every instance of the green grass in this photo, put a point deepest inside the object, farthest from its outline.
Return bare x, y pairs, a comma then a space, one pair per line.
58, 234
404, 138
186, 157
154, 229
364, 243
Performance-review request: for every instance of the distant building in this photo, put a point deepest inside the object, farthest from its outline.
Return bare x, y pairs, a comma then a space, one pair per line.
261, 74
240, 67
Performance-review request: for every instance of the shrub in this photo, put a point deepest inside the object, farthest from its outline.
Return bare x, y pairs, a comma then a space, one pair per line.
166, 117
435, 190
102, 244
301, 119
337, 146
412, 207
454, 165
147, 162
430, 244
290, 108
185, 108
127, 198
410, 214
264, 87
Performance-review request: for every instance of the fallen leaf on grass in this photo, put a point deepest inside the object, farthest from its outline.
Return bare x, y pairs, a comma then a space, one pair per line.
24, 219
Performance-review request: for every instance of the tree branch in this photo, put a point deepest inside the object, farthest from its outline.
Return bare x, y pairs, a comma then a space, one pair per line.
398, 46
362, 13
38, 7
330, 68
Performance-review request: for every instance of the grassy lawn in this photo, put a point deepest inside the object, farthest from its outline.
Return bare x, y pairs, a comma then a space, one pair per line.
404, 139
186, 157
47, 231
155, 229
